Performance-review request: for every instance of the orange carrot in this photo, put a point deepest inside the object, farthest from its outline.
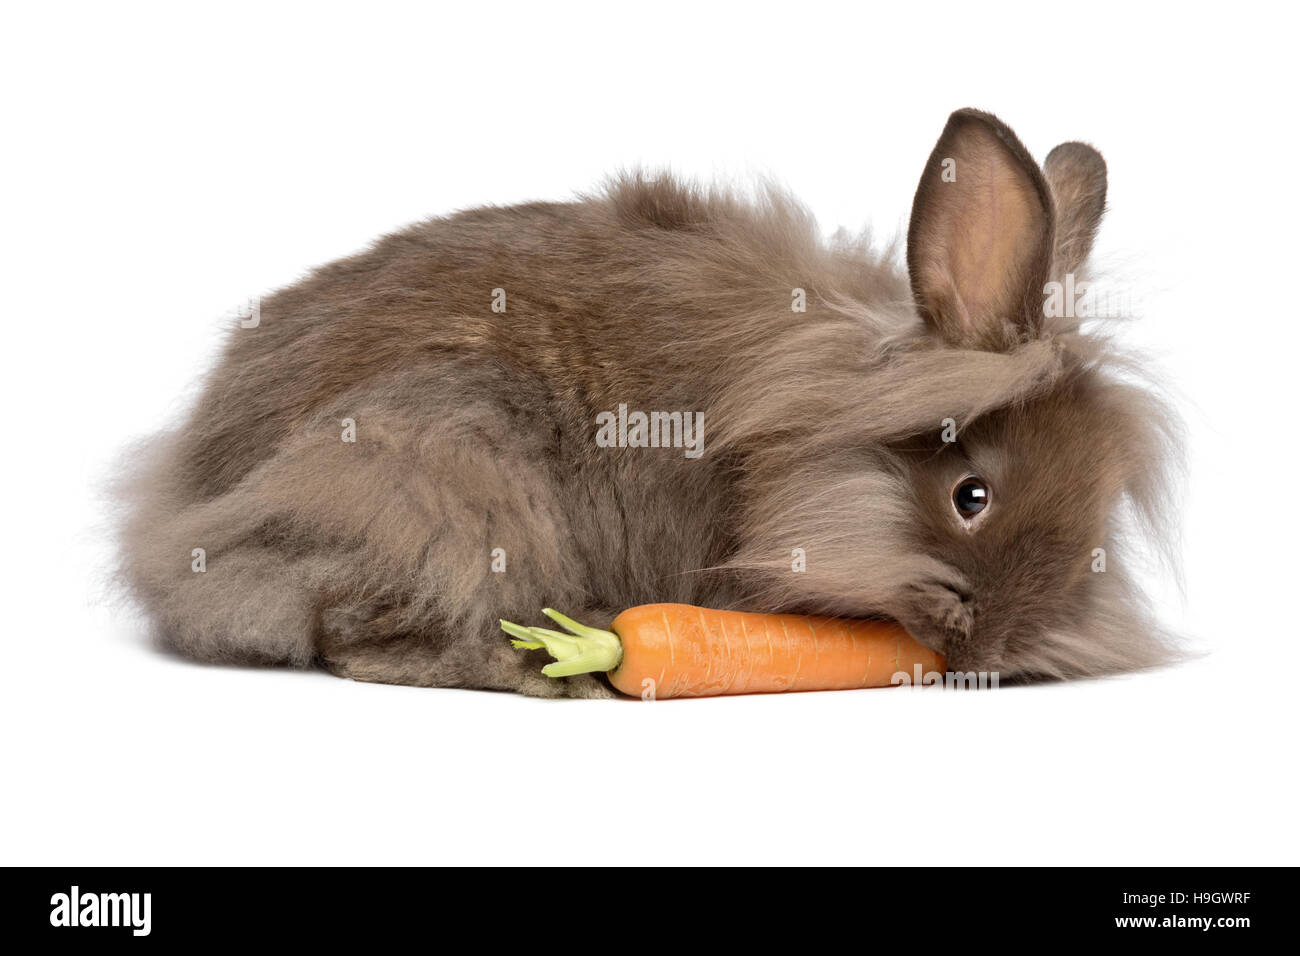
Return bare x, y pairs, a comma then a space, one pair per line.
676, 650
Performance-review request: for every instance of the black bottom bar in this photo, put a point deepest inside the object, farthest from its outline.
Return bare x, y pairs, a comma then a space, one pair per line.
662, 908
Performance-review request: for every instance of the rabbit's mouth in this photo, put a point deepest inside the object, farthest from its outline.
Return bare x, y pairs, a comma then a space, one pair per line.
940, 614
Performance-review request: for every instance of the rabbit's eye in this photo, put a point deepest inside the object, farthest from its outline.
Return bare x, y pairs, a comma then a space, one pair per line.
970, 497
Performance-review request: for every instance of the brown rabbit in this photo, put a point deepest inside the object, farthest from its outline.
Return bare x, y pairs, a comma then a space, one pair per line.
404, 448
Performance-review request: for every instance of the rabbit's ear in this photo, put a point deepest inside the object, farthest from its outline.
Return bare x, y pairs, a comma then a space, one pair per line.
980, 242
1077, 174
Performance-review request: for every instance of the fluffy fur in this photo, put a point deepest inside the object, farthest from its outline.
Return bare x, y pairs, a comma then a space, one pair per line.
475, 431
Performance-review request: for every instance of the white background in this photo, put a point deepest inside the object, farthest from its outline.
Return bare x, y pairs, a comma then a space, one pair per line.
161, 166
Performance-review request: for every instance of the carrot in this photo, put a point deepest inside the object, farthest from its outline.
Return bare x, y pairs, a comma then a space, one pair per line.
676, 650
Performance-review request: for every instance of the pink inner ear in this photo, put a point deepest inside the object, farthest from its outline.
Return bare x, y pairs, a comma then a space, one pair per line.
979, 222
991, 237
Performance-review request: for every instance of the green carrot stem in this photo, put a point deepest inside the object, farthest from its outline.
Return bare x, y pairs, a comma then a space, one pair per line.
583, 650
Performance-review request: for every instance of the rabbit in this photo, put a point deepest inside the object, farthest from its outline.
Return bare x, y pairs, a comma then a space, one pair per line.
402, 449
